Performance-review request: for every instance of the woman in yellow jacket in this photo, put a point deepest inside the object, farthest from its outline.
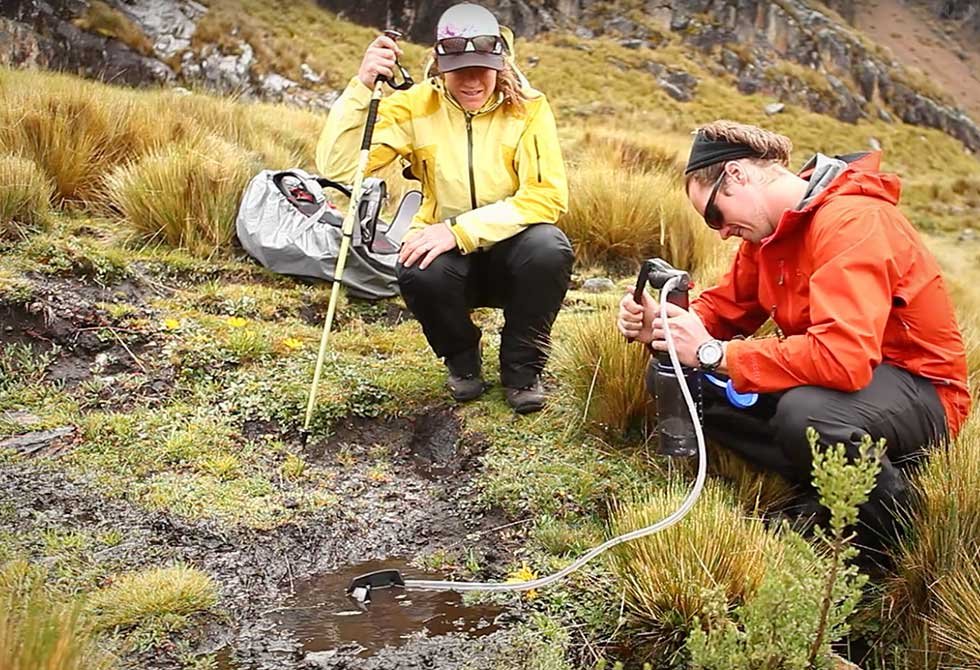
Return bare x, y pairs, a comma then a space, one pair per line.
485, 147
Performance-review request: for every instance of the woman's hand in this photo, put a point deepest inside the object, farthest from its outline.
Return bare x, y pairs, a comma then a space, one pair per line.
427, 244
379, 60
636, 320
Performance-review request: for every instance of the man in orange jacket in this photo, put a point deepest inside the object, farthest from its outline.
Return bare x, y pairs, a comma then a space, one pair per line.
867, 341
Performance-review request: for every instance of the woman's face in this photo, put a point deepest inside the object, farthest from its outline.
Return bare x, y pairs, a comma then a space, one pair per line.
471, 87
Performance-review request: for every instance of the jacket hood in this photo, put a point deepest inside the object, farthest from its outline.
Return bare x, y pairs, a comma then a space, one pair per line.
851, 174
859, 176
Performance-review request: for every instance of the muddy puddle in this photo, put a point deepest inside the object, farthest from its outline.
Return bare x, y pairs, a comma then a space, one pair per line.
321, 617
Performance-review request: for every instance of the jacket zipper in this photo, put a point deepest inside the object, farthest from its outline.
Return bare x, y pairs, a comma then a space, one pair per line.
425, 171
537, 153
469, 148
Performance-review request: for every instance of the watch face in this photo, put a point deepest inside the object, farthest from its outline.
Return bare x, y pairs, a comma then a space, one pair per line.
709, 354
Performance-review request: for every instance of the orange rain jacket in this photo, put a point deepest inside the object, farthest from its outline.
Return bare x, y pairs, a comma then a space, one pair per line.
850, 284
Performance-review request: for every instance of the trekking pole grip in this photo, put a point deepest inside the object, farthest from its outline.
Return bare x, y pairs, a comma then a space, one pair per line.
372, 117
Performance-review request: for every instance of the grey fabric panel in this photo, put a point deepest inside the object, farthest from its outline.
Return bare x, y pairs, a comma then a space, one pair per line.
286, 241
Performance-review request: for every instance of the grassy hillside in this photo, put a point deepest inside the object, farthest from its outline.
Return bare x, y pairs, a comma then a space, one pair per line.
181, 368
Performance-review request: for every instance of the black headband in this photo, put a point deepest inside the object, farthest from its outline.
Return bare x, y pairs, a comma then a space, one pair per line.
706, 151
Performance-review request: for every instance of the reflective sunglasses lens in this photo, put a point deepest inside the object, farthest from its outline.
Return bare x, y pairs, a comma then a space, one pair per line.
485, 43
453, 45
713, 217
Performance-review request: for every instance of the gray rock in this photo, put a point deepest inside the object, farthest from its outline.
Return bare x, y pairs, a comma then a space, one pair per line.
274, 85
621, 25
32, 443
773, 108
227, 72
309, 75
634, 43
598, 285
748, 84
967, 235
19, 417
885, 116
731, 61
679, 21
319, 659
584, 33
874, 143
170, 24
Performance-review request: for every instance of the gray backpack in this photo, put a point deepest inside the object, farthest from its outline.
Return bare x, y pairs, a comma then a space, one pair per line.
287, 223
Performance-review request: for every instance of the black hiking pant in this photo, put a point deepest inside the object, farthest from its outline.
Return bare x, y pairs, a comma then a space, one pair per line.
898, 406
527, 275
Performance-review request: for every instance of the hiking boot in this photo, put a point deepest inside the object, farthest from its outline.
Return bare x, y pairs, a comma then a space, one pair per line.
464, 380
530, 398
465, 388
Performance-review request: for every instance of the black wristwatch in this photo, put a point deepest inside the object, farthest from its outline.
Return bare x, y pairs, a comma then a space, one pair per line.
710, 354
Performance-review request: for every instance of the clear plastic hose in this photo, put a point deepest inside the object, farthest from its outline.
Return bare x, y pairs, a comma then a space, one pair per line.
677, 515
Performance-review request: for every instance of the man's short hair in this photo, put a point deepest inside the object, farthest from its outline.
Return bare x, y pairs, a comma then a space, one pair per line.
771, 148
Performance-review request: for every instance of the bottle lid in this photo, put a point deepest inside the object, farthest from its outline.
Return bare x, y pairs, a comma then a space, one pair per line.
736, 399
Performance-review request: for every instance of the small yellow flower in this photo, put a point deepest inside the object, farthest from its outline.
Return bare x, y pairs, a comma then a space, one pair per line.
524, 574
171, 324
292, 343
237, 322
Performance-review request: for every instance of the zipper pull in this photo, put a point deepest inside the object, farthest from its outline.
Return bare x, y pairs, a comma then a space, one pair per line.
780, 335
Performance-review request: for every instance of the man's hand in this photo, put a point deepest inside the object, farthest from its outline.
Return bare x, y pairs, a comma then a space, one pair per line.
635, 321
379, 59
426, 245
687, 332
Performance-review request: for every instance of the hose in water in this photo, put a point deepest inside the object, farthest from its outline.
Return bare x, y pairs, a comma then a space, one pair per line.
677, 515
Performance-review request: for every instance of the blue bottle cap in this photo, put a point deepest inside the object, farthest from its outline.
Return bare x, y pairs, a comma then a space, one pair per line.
736, 399
740, 400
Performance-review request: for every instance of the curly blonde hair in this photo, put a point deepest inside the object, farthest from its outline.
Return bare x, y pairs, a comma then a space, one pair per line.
773, 148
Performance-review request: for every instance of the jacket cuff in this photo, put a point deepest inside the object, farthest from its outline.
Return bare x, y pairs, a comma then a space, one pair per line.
464, 241
735, 351
358, 93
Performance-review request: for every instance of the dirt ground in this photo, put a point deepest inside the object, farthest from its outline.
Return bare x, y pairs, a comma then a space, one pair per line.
917, 39
424, 502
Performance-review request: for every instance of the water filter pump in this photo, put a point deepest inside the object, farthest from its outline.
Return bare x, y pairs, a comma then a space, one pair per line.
675, 424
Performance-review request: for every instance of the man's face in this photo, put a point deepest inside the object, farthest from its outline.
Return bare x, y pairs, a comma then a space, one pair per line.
733, 204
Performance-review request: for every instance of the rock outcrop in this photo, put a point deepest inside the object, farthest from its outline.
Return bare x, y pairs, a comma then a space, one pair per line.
49, 34
834, 70
785, 48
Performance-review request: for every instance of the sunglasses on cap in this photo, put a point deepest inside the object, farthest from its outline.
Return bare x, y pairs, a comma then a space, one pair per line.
712, 215
486, 44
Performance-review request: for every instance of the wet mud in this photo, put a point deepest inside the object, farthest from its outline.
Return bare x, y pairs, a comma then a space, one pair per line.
425, 503
404, 490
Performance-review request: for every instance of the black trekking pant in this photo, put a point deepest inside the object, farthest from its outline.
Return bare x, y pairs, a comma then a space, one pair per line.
527, 275
898, 406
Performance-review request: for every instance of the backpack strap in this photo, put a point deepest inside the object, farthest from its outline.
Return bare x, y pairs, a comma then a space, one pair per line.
337, 186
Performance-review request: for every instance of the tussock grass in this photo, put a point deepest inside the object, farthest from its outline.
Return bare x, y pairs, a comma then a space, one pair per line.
25, 197
601, 376
185, 195
174, 593
37, 633
956, 624
756, 490
110, 22
668, 578
175, 165
933, 590
618, 217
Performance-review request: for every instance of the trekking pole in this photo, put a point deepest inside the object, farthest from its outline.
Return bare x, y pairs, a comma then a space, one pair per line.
348, 227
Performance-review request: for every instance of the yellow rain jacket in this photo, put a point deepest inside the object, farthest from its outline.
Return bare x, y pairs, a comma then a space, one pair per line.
488, 173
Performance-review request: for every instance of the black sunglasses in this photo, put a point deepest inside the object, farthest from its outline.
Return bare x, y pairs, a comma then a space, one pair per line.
453, 46
712, 215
